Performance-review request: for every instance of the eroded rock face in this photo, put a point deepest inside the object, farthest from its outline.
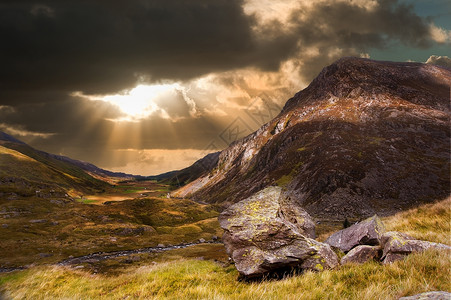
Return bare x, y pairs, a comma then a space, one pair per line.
361, 254
397, 245
367, 232
265, 233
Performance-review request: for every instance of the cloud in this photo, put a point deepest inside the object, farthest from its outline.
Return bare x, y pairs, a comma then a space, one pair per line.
443, 61
101, 47
153, 162
20, 132
440, 35
225, 60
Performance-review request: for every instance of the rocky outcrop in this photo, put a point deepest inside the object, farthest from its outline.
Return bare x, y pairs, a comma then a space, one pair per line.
367, 232
397, 246
436, 295
365, 138
267, 233
361, 254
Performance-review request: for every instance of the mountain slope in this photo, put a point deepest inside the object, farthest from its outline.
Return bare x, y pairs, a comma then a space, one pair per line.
184, 176
25, 170
364, 137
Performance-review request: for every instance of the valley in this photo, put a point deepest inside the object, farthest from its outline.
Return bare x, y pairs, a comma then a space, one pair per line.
128, 216
364, 138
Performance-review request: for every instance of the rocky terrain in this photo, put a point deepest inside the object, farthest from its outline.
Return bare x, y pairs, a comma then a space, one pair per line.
364, 137
267, 234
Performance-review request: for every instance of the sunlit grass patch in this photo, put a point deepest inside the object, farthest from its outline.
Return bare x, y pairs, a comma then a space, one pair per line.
198, 279
430, 222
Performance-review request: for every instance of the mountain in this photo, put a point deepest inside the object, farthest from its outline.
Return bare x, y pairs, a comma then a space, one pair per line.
364, 137
182, 177
26, 171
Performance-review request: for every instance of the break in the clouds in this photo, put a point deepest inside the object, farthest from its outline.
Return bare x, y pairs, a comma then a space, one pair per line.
89, 79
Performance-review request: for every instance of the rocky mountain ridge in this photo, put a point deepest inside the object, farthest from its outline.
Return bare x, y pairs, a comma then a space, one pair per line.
364, 137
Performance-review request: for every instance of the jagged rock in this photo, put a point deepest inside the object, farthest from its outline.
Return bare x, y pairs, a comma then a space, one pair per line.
201, 240
397, 245
265, 233
367, 232
436, 295
361, 254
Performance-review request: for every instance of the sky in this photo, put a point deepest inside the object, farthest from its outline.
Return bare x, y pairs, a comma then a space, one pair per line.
149, 86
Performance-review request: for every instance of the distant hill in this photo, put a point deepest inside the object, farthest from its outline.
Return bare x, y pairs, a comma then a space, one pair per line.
26, 171
182, 177
364, 137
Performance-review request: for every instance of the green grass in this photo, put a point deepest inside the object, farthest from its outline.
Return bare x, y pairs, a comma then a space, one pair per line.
85, 201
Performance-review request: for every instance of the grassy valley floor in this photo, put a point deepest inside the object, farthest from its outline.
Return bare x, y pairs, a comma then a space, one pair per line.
39, 231
201, 272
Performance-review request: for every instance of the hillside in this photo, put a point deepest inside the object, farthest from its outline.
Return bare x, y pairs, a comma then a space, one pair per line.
53, 207
26, 171
184, 176
364, 137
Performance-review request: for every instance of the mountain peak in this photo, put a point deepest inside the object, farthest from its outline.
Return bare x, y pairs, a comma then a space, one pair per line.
364, 137
416, 82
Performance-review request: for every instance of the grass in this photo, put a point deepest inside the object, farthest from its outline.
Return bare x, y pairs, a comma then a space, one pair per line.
40, 231
195, 273
198, 279
431, 222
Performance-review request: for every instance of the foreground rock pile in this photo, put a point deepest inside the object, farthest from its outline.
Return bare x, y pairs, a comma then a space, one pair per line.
268, 233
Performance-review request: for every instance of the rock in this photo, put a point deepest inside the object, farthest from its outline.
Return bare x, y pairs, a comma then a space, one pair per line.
38, 221
265, 233
5, 225
201, 240
397, 245
214, 238
43, 255
367, 232
436, 295
160, 246
361, 254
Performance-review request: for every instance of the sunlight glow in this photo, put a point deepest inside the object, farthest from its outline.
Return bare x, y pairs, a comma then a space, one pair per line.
139, 102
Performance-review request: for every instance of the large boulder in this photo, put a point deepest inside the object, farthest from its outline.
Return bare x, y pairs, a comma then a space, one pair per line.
361, 254
367, 232
397, 245
266, 233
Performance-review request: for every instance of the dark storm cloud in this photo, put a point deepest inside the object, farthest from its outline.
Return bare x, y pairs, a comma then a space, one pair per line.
354, 29
52, 47
103, 46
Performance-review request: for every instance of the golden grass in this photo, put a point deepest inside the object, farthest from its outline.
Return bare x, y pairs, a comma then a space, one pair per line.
196, 279
204, 279
431, 222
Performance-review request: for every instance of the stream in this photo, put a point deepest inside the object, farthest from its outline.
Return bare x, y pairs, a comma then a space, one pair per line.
99, 256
